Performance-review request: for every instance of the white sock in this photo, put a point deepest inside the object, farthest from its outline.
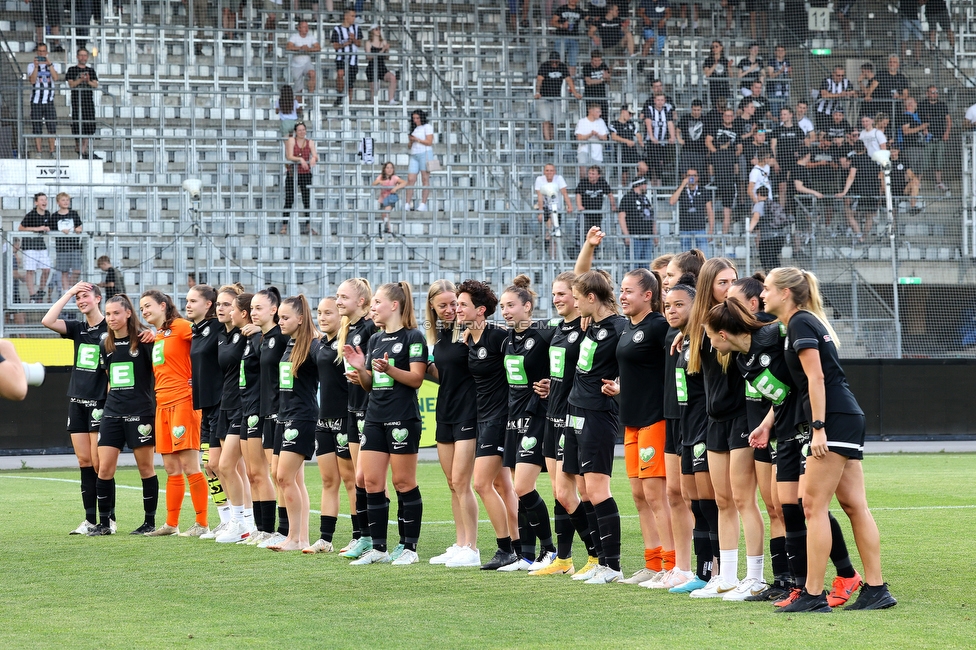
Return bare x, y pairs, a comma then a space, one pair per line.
248, 518
729, 569
224, 512
237, 513
755, 565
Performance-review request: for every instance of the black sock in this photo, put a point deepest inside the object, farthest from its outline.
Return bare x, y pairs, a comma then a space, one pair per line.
608, 518
504, 544
564, 531
150, 498
779, 559
105, 493
402, 539
270, 508
413, 514
88, 478
356, 530
282, 520
327, 526
710, 511
538, 516
594, 525
378, 511
838, 550
796, 542
526, 545
701, 543
361, 510
582, 527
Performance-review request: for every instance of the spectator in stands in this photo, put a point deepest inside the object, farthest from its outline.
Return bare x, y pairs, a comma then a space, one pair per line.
760, 174
843, 13
548, 93
713, 118
725, 146
83, 80
47, 13
892, 86
421, 153
657, 87
911, 27
874, 139
690, 134
83, 12
747, 125
589, 198
904, 181
596, 80
566, 22
34, 249
287, 109
111, 283
626, 133
755, 97
937, 13
863, 180
17, 274
772, 235
378, 49
191, 280
833, 91
778, 73
696, 217
302, 44
637, 224
591, 132
345, 40
303, 156
271, 22
758, 22
200, 16
67, 250
786, 142
839, 129
545, 206
802, 120
43, 74
716, 69
390, 184
654, 16
802, 178
660, 138
911, 134
936, 114
751, 69
612, 33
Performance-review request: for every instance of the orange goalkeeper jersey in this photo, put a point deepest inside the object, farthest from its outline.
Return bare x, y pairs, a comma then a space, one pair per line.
171, 363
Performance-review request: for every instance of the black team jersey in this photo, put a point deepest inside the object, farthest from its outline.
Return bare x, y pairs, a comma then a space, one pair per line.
358, 335
486, 361
756, 407
230, 347
672, 409
563, 355
457, 400
203, 361
333, 386
725, 392
597, 361
88, 381
640, 356
390, 400
690, 391
249, 379
805, 331
526, 362
130, 379
273, 346
297, 388
768, 380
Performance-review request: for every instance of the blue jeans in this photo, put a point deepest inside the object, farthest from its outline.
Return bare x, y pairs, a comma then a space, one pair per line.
696, 239
658, 39
642, 248
568, 47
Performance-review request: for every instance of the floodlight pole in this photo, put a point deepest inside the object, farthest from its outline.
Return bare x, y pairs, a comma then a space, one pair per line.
886, 168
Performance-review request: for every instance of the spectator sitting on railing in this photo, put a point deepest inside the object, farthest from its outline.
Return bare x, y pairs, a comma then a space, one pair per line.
716, 69
391, 184
755, 97
67, 250
863, 180
34, 249
589, 198
937, 13
626, 133
936, 114
892, 84
725, 146
83, 80
301, 153
653, 15
378, 48
591, 132
696, 216
874, 138
548, 93
301, 44
802, 178
547, 205
596, 80
43, 74
612, 33
867, 84
751, 69
911, 133
690, 133
904, 181
778, 72
47, 13
833, 91
345, 40
566, 22
288, 109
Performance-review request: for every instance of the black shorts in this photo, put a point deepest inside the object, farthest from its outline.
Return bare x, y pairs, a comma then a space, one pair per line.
208, 426
354, 426
693, 160
687, 462
596, 434
790, 457
250, 427
46, 12
554, 438
449, 433
376, 72
401, 437
845, 434
134, 432
629, 156
768, 454
699, 457
84, 415
658, 156
531, 430
43, 115
338, 438
694, 425
268, 424
353, 70
571, 462
296, 436
228, 424
940, 16
512, 438
672, 436
725, 191
81, 126
727, 435
491, 439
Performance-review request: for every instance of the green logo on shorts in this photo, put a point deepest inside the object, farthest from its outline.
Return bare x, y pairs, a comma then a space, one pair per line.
587, 351
252, 421
772, 444
699, 450
399, 434
342, 440
87, 356
805, 450
144, 429
360, 424
681, 385
529, 442
179, 432
646, 454
576, 422
97, 414
291, 434
562, 440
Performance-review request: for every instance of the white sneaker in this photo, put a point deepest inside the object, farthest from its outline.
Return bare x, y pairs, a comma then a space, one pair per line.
255, 538
372, 556
196, 530
232, 533
422, 207
82, 528
657, 580
604, 576
716, 588
215, 531
352, 542
320, 546
520, 564
675, 578
545, 559
465, 557
642, 576
586, 575
113, 525
275, 539
408, 206
446, 555
746, 587
406, 557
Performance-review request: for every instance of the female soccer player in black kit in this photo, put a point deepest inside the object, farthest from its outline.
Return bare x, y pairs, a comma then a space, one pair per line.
129, 412
298, 383
457, 421
392, 369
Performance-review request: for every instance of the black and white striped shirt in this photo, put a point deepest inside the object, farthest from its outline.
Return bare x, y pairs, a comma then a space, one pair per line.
341, 34
43, 92
659, 123
827, 106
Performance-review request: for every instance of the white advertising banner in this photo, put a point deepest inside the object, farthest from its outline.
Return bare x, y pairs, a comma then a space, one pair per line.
25, 177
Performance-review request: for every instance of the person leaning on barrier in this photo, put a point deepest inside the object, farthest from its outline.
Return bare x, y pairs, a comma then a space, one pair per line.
36, 256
